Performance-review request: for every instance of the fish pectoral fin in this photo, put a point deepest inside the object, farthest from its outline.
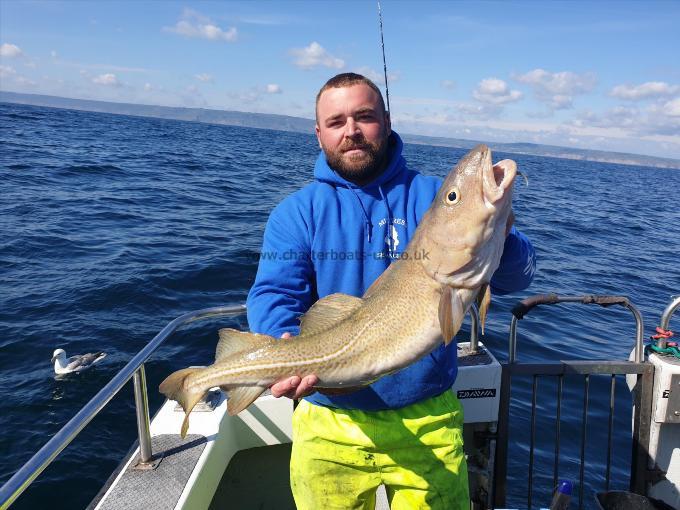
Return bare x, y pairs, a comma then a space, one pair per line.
483, 302
241, 397
233, 341
327, 311
451, 314
174, 388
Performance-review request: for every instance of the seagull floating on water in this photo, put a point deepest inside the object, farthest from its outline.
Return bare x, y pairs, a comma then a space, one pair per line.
77, 363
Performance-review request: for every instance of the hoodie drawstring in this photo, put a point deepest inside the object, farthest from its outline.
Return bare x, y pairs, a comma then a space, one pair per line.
369, 225
390, 221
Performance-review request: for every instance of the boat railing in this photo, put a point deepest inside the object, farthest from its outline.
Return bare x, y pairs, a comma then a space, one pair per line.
668, 312
13, 488
642, 400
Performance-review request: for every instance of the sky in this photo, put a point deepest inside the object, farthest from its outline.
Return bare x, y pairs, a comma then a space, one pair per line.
593, 75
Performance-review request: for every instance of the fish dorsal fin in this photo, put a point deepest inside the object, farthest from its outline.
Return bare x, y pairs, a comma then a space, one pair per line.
451, 313
241, 397
233, 341
383, 276
327, 311
483, 302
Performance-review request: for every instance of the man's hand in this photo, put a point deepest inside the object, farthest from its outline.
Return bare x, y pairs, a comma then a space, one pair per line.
294, 387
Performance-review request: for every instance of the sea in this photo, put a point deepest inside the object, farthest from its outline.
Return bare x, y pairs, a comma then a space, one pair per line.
112, 225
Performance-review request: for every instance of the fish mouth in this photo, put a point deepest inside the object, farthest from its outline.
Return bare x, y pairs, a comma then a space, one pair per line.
498, 178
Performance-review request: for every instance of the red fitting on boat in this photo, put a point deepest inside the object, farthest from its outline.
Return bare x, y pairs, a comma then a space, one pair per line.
662, 333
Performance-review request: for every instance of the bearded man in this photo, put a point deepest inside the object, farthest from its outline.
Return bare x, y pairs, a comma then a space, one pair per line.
339, 234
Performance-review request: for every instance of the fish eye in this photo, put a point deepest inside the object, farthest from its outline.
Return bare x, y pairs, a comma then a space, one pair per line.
453, 196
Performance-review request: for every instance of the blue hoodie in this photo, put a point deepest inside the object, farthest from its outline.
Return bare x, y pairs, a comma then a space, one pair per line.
334, 236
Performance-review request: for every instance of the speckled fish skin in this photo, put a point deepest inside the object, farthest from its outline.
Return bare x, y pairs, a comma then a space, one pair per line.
348, 341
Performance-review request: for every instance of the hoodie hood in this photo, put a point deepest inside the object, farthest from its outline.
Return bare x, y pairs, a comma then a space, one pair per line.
395, 165
324, 173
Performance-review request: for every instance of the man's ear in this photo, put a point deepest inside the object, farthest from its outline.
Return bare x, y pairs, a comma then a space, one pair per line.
318, 138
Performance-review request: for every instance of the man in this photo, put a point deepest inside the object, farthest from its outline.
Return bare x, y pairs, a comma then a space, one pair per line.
339, 234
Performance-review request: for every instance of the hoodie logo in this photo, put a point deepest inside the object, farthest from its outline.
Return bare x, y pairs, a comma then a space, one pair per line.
393, 242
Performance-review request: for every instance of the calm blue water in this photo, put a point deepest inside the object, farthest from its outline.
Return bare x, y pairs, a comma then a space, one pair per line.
111, 226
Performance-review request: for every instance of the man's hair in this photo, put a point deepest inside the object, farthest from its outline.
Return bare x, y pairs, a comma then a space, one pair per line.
347, 80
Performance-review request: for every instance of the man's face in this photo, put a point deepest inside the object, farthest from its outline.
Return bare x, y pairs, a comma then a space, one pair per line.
352, 129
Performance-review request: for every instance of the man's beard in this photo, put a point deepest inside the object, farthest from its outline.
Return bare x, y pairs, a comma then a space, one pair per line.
360, 169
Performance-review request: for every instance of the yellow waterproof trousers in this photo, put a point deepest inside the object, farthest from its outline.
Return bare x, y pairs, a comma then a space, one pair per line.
340, 456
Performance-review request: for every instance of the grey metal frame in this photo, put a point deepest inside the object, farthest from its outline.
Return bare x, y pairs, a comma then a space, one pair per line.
13, 488
642, 402
642, 396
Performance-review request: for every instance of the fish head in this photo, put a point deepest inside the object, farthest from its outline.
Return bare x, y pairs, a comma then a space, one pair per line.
464, 230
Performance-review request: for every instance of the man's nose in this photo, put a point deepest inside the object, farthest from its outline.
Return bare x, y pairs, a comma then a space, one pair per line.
351, 128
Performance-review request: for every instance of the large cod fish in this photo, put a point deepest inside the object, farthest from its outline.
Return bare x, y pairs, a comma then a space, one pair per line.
415, 305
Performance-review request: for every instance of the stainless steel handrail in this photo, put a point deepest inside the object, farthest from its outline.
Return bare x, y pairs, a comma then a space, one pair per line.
13, 488
474, 329
586, 299
668, 312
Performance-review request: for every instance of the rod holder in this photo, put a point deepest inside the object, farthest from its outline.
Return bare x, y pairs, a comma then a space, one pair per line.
142, 411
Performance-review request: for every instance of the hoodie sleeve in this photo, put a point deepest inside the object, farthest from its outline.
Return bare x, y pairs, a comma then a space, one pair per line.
284, 284
517, 267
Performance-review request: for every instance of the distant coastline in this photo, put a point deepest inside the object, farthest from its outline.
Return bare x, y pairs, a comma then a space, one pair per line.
302, 125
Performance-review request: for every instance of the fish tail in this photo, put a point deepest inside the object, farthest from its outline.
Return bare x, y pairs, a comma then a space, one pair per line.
174, 387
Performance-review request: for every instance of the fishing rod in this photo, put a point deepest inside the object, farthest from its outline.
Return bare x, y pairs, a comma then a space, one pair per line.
382, 43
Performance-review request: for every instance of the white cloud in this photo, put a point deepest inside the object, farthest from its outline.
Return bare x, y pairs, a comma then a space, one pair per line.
53, 54
9, 73
108, 79
480, 111
656, 119
22, 80
448, 84
315, 55
376, 76
558, 89
204, 77
10, 50
148, 87
620, 129
618, 117
194, 24
106, 67
672, 108
495, 91
273, 88
6, 71
650, 89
